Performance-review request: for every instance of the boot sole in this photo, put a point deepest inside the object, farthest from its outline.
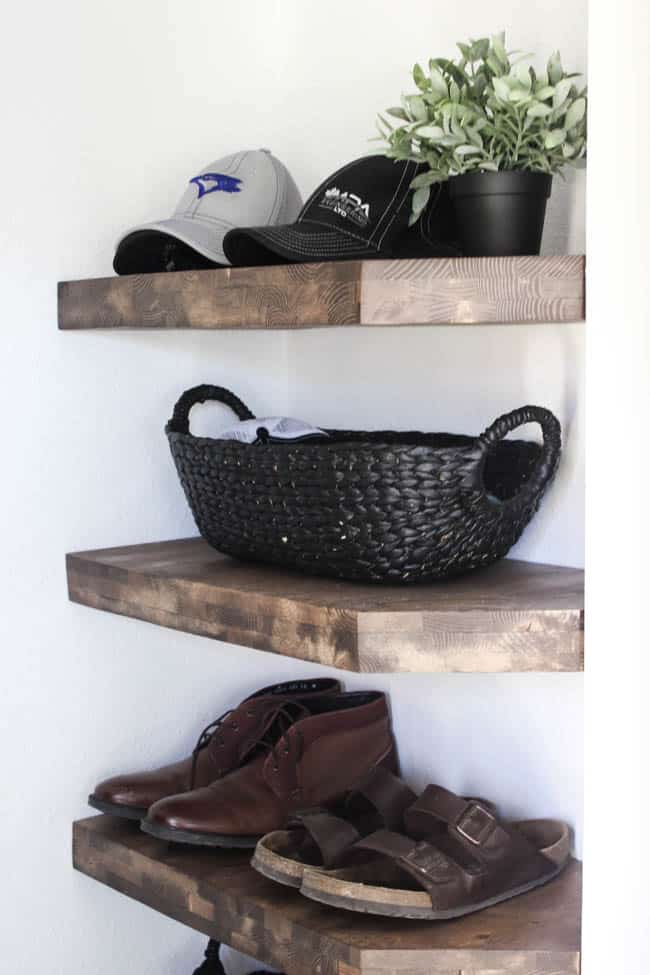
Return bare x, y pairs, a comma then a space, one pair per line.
190, 838
115, 809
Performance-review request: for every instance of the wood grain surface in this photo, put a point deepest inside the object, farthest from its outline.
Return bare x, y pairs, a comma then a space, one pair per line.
218, 894
512, 616
407, 292
477, 290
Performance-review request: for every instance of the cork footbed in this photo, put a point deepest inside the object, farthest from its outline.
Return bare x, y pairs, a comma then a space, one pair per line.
381, 887
276, 857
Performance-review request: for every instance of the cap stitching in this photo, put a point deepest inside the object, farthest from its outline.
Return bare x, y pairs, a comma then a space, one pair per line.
389, 204
274, 212
294, 243
339, 230
398, 207
287, 235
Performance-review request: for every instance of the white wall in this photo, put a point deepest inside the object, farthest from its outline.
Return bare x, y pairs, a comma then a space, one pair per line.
107, 111
617, 676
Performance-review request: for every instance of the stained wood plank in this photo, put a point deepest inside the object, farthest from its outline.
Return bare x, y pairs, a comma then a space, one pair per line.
512, 616
408, 292
218, 894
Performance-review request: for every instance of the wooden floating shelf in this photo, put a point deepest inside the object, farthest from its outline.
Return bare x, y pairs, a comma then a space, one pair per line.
483, 290
218, 894
512, 616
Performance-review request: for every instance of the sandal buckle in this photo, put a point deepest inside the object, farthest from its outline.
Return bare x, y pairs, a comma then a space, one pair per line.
476, 824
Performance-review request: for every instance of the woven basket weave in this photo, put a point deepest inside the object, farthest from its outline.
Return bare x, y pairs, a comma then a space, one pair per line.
379, 506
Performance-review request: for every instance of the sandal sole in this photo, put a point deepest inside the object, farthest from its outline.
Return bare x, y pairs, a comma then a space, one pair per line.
190, 838
281, 873
386, 909
115, 809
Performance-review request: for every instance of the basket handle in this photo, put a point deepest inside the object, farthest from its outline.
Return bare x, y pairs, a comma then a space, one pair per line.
180, 421
551, 447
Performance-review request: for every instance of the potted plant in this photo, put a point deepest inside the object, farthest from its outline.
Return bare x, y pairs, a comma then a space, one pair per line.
498, 131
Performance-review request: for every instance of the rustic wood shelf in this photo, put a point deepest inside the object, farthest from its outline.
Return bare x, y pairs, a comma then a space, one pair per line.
512, 616
408, 292
218, 894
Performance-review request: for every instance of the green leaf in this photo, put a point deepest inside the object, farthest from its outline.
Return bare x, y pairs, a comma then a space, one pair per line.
457, 129
561, 94
576, 113
480, 49
465, 50
538, 110
438, 83
499, 48
554, 138
417, 108
522, 73
474, 137
519, 94
432, 132
501, 89
490, 165
420, 199
554, 68
546, 91
419, 77
494, 66
459, 76
568, 150
467, 150
425, 179
397, 112
450, 141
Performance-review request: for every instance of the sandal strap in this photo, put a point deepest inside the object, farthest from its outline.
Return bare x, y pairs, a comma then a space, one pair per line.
332, 835
389, 795
423, 861
472, 821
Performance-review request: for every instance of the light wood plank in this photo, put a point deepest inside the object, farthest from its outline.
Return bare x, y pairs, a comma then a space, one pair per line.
512, 616
218, 894
477, 290
407, 292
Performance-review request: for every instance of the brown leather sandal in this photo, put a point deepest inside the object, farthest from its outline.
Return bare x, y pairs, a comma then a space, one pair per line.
320, 839
469, 860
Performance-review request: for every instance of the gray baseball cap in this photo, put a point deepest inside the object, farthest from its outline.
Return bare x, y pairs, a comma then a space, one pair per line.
245, 189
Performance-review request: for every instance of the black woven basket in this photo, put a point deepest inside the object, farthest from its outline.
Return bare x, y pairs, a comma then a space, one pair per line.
375, 506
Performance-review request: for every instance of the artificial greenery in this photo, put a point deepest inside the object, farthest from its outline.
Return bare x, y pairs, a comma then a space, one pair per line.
487, 111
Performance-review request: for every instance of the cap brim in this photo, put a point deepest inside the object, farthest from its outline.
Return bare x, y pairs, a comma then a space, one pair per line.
295, 243
205, 240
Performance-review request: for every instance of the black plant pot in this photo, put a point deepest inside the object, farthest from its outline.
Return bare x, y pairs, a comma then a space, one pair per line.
500, 214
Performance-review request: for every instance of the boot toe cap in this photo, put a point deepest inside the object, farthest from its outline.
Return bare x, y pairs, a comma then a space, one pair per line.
128, 791
119, 791
191, 812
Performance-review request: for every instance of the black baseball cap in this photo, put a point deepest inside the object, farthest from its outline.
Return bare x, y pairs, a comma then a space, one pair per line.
361, 211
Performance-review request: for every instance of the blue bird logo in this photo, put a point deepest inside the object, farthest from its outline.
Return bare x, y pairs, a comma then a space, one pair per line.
216, 182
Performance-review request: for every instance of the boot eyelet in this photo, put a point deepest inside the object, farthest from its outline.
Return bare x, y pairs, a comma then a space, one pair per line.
250, 714
235, 727
276, 768
286, 751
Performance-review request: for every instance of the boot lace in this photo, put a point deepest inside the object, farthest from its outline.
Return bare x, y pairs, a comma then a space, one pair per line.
277, 722
206, 737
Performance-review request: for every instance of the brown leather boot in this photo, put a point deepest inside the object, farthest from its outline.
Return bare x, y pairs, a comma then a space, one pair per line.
311, 756
221, 747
